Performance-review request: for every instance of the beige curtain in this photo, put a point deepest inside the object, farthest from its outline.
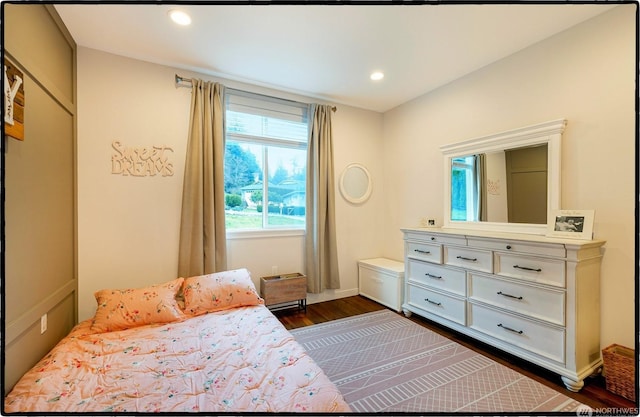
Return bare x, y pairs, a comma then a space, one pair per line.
202, 229
321, 248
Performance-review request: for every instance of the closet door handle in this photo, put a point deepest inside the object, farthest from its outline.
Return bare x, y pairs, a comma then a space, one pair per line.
426, 252
467, 259
527, 268
433, 276
510, 329
432, 302
508, 295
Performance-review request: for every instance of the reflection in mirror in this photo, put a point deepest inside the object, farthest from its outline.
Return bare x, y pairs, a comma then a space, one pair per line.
506, 181
506, 186
355, 183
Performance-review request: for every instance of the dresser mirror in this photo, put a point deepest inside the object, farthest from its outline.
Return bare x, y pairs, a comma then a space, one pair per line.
508, 181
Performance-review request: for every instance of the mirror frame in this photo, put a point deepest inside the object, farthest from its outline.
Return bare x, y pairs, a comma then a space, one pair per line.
547, 132
345, 193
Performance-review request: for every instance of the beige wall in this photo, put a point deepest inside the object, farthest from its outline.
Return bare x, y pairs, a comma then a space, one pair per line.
39, 207
128, 227
585, 75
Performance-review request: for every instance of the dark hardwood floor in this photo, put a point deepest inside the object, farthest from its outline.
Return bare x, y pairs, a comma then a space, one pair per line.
594, 393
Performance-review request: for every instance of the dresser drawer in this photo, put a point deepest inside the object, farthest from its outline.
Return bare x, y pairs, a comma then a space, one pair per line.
463, 257
530, 248
539, 302
425, 251
541, 339
542, 270
446, 306
427, 236
441, 277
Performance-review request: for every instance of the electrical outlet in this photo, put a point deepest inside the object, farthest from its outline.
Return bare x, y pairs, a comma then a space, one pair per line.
43, 323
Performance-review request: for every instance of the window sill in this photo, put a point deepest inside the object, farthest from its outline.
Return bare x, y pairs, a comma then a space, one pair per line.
264, 233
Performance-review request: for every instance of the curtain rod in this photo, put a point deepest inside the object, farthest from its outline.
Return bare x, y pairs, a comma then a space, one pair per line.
180, 79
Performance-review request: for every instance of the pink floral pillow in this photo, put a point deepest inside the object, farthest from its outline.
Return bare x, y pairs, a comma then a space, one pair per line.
124, 309
219, 291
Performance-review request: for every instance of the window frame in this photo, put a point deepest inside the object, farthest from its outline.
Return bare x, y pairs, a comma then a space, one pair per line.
267, 143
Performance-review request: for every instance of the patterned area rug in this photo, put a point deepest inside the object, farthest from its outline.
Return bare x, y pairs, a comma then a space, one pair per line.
383, 362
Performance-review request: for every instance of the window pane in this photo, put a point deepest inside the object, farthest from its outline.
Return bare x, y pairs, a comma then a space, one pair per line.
286, 189
463, 179
263, 126
243, 185
246, 194
458, 194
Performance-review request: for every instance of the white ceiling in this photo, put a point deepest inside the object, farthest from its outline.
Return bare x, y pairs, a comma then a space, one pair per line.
326, 51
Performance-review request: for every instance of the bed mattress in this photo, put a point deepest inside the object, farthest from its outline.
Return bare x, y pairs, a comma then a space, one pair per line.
240, 359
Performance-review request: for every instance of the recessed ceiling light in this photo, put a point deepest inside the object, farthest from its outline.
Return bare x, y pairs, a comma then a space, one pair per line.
180, 17
377, 75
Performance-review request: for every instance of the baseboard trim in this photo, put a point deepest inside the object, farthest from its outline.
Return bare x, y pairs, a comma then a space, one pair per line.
329, 295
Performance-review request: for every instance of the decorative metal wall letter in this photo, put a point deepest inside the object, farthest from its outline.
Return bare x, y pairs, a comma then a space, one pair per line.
141, 162
13, 101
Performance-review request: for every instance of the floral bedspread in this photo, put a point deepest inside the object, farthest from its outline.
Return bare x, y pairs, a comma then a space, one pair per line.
241, 359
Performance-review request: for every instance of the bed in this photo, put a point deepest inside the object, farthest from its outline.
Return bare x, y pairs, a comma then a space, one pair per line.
144, 351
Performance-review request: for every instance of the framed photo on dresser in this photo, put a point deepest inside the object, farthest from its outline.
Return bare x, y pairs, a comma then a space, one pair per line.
573, 224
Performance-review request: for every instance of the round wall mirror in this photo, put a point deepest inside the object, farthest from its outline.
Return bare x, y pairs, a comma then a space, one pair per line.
355, 184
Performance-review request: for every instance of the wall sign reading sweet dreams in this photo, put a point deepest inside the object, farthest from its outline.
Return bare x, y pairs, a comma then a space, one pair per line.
141, 161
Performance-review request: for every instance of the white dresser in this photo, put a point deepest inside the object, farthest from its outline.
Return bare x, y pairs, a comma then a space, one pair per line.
535, 297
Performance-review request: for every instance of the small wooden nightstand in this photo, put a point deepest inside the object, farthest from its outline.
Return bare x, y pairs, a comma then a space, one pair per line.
284, 291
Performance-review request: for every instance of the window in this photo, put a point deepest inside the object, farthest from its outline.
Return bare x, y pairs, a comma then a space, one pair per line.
463, 189
265, 162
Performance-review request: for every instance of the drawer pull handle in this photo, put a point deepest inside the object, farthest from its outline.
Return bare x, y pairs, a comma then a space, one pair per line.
508, 295
508, 246
467, 259
527, 268
433, 238
510, 329
433, 276
426, 252
432, 302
